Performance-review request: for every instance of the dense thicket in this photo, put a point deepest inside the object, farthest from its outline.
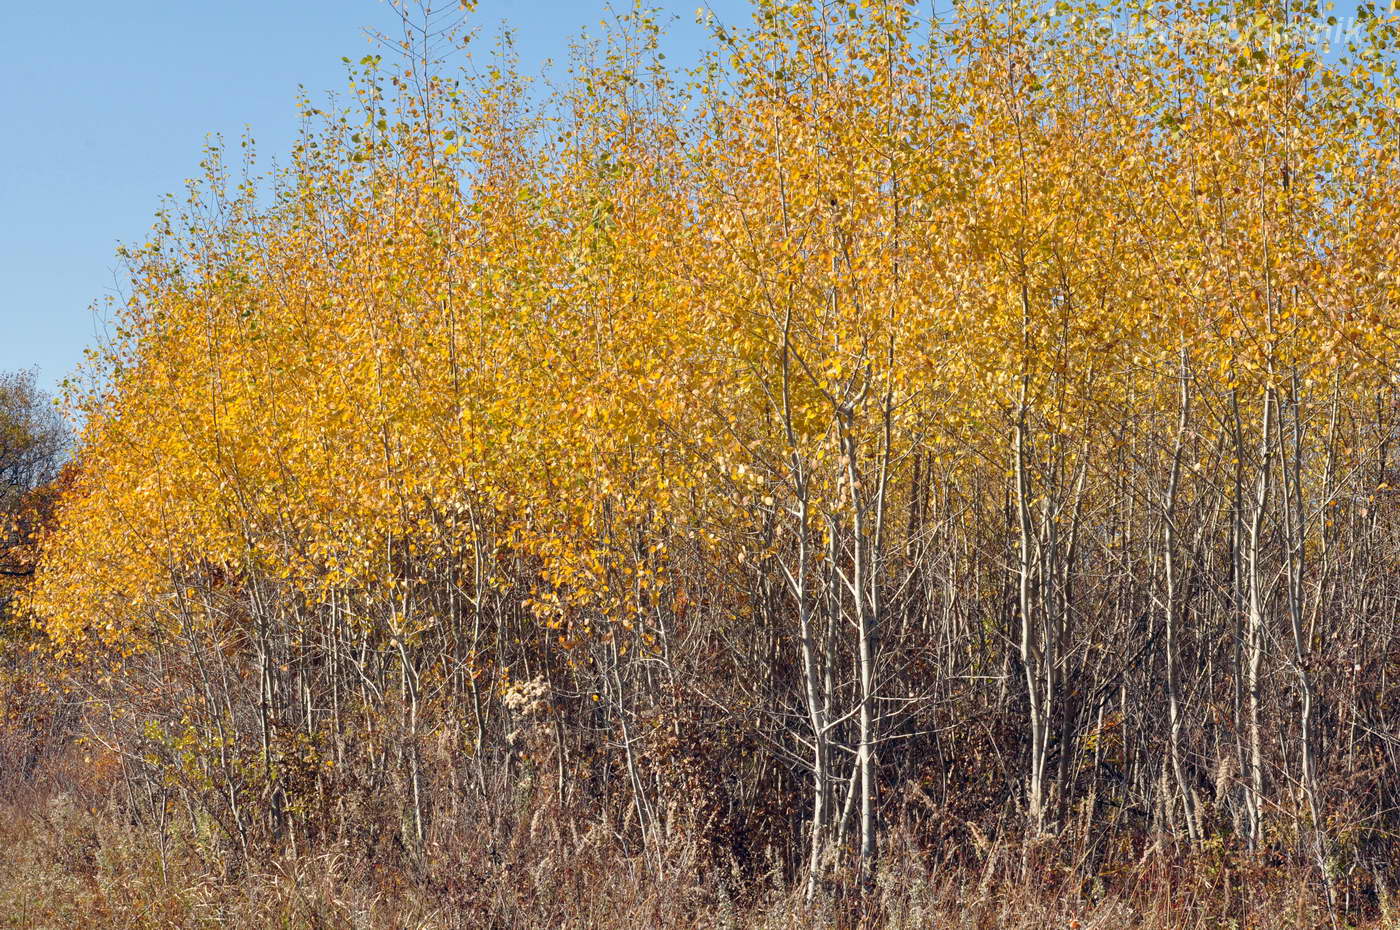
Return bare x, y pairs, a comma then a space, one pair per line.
33, 442
975, 431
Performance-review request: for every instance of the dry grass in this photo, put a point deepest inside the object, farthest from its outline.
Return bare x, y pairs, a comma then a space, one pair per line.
70, 865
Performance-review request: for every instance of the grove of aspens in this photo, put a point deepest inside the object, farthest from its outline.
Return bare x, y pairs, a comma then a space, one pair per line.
920, 466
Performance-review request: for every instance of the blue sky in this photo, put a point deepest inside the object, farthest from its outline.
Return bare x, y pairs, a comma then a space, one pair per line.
106, 106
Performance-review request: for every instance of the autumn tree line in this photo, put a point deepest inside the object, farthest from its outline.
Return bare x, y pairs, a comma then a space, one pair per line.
911, 434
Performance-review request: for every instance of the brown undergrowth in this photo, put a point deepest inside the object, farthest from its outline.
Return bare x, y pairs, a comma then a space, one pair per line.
73, 859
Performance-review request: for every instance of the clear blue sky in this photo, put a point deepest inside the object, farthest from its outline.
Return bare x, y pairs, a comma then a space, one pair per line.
104, 107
